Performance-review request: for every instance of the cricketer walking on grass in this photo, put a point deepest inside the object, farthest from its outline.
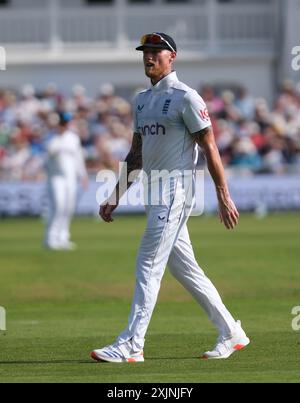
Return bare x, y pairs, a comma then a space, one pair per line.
171, 122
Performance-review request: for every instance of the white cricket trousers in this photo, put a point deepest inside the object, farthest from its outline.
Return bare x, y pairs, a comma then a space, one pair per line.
62, 200
166, 242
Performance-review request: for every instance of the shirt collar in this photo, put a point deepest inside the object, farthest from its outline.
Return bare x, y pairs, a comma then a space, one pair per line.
165, 83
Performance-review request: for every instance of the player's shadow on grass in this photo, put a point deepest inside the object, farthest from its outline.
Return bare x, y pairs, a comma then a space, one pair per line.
46, 362
172, 358
150, 359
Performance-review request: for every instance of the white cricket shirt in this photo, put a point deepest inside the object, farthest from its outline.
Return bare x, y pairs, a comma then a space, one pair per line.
65, 157
166, 116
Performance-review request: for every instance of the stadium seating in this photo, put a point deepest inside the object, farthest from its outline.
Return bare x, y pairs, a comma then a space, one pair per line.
252, 136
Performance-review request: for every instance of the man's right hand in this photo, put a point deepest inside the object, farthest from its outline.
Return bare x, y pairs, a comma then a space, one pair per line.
106, 212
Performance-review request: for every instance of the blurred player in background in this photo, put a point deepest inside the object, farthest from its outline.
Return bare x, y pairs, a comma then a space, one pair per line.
64, 166
171, 121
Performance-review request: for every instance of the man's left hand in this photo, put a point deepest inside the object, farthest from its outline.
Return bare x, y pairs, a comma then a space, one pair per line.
228, 213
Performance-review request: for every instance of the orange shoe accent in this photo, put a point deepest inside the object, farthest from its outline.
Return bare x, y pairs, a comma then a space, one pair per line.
239, 347
204, 357
131, 360
94, 356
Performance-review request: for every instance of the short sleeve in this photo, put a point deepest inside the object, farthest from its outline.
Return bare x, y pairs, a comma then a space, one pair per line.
195, 113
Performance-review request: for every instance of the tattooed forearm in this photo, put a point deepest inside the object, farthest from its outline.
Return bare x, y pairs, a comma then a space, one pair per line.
134, 163
134, 158
127, 176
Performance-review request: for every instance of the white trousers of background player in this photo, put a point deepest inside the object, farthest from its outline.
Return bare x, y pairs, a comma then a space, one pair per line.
167, 242
62, 200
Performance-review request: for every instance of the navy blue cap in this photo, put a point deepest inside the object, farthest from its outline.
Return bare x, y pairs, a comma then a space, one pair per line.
168, 43
64, 118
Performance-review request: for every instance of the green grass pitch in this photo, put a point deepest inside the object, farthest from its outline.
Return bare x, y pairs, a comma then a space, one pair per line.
60, 306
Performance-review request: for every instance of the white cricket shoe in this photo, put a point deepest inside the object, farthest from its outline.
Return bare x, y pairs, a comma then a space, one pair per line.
117, 353
227, 346
68, 245
53, 246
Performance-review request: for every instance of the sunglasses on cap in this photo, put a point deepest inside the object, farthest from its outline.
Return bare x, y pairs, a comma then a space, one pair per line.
155, 39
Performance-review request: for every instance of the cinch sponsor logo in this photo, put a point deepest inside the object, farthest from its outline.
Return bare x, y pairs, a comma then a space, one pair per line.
153, 130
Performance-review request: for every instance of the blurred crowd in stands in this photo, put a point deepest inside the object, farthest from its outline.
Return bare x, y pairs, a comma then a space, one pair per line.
253, 137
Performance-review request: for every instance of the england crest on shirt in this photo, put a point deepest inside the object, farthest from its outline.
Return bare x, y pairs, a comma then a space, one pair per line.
166, 107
